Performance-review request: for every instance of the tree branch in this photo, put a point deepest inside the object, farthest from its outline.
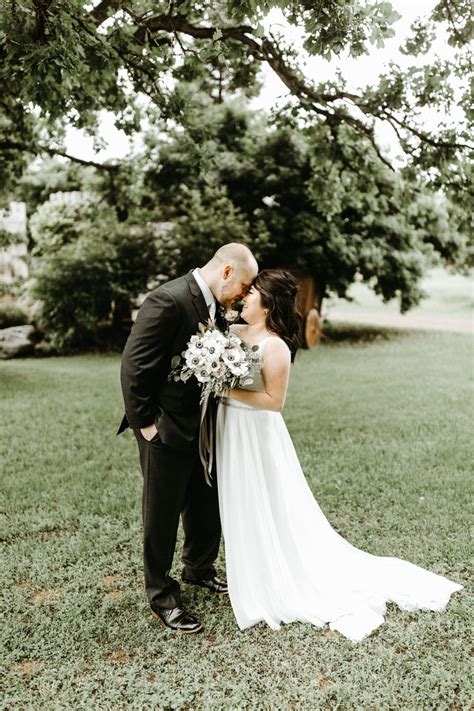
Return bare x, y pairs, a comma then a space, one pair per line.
104, 10
425, 137
16, 146
267, 51
179, 23
451, 22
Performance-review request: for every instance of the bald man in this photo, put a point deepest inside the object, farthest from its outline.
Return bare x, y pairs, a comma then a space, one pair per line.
165, 418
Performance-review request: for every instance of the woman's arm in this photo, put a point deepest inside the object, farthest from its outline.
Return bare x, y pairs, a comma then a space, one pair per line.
276, 373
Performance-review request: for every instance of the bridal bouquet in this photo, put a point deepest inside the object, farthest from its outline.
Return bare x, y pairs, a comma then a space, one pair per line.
217, 360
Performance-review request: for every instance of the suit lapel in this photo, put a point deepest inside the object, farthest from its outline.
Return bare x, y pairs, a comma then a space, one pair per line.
199, 301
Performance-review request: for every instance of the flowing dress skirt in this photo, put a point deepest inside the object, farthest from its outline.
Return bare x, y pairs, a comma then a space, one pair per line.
284, 561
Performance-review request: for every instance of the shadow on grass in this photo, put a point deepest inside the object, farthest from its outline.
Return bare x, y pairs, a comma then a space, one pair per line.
359, 333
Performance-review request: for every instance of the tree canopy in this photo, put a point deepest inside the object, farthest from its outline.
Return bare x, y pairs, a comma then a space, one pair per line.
63, 61
312, 199
308, 187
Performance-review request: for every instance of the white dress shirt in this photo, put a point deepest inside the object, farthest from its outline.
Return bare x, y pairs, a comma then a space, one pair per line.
206, 292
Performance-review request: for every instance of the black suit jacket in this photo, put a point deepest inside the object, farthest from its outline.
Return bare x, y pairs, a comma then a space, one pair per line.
166, 320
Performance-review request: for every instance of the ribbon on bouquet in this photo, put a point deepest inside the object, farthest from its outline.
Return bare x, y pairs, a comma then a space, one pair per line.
206, 439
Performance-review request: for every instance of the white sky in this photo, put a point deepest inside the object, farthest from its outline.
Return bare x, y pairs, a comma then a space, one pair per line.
358, 72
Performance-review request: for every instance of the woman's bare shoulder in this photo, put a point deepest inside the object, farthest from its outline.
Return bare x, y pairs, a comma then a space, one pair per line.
237, 328
276, 346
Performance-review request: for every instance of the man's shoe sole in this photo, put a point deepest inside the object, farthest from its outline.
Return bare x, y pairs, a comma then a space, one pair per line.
157, 617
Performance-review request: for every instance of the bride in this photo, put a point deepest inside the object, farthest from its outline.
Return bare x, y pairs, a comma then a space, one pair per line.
284, 561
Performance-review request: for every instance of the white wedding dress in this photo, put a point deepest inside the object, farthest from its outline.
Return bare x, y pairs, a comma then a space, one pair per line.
284, 561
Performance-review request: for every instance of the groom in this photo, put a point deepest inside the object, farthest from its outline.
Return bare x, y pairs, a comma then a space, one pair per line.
165, 418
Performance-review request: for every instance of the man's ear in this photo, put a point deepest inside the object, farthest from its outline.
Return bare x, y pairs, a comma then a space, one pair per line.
227, 272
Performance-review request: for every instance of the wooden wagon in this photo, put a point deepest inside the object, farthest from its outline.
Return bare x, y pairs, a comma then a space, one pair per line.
309, 303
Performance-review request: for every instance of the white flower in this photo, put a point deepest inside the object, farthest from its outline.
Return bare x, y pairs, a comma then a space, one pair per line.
198, 342
238, 369
192, 359
192, 348
231, 315
231, 356
215, 343
216, 349
202, 375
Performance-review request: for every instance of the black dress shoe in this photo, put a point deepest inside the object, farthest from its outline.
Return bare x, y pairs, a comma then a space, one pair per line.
214, 585
177, 619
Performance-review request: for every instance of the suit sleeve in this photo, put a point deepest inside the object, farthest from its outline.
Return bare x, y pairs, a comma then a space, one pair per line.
144, 354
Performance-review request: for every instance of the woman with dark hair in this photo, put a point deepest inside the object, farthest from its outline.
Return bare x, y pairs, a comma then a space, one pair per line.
285, 562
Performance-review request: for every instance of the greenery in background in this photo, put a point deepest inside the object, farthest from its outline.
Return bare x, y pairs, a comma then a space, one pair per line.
89, 269
312, 199
11, 314
307, 188
388, 471
62, 63
7, 238
449, 301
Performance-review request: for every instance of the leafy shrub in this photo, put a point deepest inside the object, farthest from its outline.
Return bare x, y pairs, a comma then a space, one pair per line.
73, 284
56, 224
89, 268
11, 314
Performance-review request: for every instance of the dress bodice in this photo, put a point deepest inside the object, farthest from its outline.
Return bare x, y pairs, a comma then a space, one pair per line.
258, 384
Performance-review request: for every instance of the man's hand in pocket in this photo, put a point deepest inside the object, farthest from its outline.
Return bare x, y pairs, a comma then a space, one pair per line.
149, 432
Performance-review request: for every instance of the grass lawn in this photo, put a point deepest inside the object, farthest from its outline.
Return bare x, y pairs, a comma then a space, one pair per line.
383, 431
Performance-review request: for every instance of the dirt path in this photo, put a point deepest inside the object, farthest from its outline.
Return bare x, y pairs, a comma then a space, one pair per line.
427, 323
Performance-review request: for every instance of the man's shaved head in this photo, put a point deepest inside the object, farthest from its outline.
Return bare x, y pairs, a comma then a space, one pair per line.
230, 272
238, 255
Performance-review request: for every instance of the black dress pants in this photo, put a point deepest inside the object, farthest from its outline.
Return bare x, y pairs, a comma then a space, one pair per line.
174, 484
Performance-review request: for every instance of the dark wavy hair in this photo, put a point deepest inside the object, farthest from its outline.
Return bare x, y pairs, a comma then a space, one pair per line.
278, 291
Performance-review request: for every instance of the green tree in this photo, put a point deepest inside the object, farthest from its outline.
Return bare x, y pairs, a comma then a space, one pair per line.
8, 238
88, 269
313, 199
63, 62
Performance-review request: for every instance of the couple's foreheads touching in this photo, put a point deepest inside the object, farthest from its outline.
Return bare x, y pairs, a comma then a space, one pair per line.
230, 272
